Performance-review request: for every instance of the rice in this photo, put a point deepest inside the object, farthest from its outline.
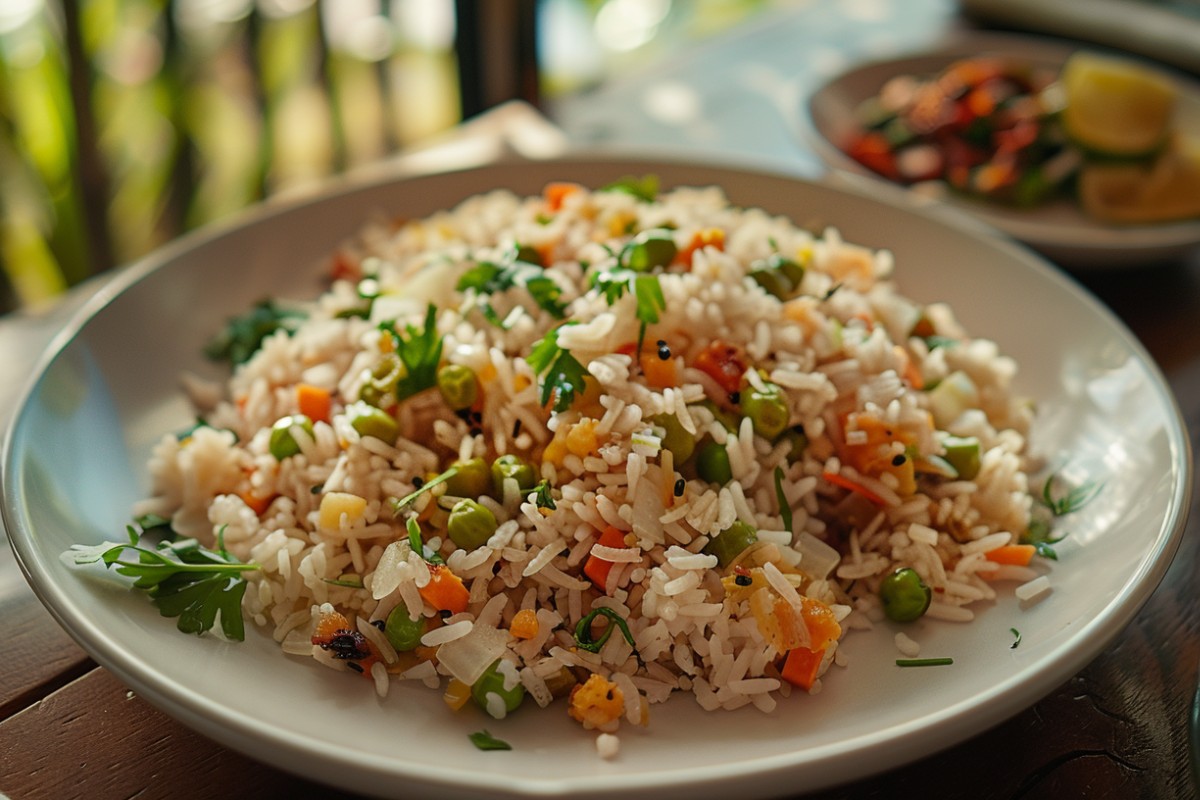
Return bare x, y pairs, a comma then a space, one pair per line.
774, 365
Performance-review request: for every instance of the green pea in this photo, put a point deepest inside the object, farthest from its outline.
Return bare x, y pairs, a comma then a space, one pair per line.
511, 466
729, 543
767, 410
282, 444
676, 439
777, 275
382, 381
905, 596
470, 524
712, 463
527, 254
403, 632
473, 479
371, 421
458, 386
650, 249
790, 269
493, 681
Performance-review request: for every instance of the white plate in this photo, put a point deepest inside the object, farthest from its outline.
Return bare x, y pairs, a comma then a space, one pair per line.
1060, 230
75, 463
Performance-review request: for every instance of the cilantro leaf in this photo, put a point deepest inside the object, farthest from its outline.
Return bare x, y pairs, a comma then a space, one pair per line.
543, 498
243, 336
420, 351
563, 374
183, 579
644, 188
486, 279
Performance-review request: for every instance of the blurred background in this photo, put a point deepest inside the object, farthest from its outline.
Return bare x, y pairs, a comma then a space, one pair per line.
124, 123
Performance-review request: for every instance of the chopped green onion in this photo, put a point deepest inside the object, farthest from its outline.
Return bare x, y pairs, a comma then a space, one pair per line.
923, 662
485, 741
1017, 640
583, 631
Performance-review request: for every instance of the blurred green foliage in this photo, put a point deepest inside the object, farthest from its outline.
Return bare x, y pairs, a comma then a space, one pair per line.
124, 123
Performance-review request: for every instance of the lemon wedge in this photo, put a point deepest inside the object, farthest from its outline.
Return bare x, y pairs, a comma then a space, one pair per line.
1164, 191
1116, 107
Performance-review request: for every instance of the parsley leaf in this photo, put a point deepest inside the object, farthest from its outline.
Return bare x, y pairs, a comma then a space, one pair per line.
562, 374
644, 188
486, 278
420, 351
647, 294
244, 335
485, 741
543, 498
182, 578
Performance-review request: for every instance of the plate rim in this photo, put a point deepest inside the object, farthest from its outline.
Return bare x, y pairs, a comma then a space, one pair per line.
188, 709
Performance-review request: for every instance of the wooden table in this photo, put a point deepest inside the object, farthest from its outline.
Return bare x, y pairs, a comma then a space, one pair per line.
1118, 729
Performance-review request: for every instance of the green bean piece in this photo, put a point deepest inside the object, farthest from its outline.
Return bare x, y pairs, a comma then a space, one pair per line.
650, 249
963, 453
371, 421
712, 463
767, 410
282, 444
676, 438
729, 543
493, 681
904, 595
510, 466
470, 524
458, 386
402, 631
473, 479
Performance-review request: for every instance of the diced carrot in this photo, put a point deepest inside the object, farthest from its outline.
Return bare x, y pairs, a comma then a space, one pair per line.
845, 483
1014, 554
724, 363
445, 590
823, 627
524, 624
659, 373
256, 503
314, 402
345, 268
556, 192
598, 568
800, 668
708, 237
908, 369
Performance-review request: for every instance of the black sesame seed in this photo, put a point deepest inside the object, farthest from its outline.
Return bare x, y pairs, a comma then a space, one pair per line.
356, 667
476, 431
680, 485
898, 461
418, 482
516, 428
380, 624
743, 580
735, 397
664, 350
446, 613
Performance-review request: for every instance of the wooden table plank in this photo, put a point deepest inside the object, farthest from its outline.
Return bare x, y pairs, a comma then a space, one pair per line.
94, 738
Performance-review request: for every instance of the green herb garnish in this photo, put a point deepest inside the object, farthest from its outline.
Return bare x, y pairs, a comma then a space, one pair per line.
487, 278
349, 583
924, 662
583, 631
542, 496
644, 188
1016, 633
244, 335
785, 511
562, 374
420, 351
646, 290
485, 741
1075, 498
410, 498
182, 578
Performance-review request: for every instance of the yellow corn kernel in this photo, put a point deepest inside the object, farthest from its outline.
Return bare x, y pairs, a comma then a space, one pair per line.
582, 440
487, 373
336, 504
524, 624
457, 694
